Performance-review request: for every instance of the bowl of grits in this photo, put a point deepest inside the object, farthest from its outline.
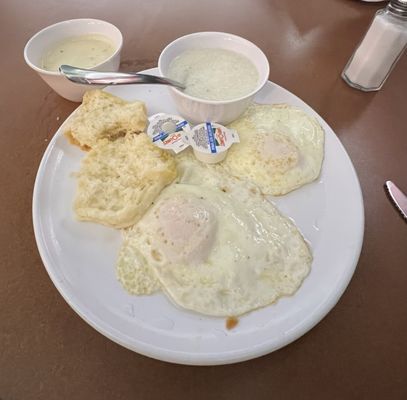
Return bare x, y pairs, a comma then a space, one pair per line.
84, 43
221, 73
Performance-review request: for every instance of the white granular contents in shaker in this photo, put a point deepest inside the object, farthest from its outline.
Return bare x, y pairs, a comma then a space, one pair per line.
376, 54
214, 74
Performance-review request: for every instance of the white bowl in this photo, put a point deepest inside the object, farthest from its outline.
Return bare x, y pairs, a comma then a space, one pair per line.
198, 110
43, 40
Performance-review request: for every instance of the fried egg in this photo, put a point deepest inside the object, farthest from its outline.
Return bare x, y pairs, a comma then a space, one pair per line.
281, 148
214, 245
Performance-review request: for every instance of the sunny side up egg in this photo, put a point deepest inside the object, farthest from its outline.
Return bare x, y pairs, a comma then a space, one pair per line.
281, 148
218, 247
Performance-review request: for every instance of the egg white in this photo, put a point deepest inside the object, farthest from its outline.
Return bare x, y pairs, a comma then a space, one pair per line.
281, 148
215, 245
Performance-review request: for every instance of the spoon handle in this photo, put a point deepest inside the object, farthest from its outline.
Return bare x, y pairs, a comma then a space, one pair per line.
90, 77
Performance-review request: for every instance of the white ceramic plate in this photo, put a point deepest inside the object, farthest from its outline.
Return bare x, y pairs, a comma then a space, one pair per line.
80, 257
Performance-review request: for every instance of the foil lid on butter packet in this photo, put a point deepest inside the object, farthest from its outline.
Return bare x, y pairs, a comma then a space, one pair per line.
210, 141
166, 131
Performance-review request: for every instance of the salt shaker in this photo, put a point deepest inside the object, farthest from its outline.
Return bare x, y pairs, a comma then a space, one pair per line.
380, 49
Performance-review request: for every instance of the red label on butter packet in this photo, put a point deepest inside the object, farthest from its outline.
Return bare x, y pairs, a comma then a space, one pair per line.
166, 131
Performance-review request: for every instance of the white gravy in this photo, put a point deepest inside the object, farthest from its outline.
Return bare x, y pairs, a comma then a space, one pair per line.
214, 74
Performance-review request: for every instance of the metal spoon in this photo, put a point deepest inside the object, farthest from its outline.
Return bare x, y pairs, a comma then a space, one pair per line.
90, 77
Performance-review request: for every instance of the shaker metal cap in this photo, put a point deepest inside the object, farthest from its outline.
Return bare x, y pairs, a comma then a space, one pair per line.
398, 7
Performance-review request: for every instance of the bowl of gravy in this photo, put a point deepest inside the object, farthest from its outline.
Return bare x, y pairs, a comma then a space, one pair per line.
84, 43
221, 73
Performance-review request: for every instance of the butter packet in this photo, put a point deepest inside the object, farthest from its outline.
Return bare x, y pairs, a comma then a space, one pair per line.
165, 130
210, 141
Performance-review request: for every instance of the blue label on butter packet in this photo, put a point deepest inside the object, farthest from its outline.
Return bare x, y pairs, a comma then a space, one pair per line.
211, 137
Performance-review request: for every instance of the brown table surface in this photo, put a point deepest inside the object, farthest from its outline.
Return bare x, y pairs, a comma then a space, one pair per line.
358, 351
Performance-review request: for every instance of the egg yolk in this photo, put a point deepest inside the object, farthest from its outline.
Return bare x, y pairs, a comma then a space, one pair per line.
278, 152
186, 229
